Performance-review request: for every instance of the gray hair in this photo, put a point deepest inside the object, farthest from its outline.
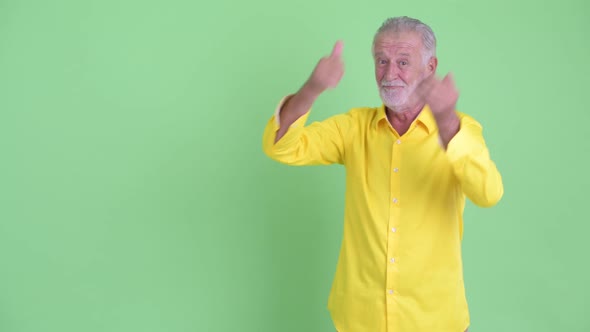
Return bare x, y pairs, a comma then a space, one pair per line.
408, 24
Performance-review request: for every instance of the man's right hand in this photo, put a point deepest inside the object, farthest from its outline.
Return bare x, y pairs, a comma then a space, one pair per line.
326, 75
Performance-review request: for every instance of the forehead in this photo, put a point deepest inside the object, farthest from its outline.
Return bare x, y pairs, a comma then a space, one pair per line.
392, 43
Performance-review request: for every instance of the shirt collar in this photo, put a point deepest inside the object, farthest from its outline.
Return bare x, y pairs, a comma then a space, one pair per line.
381, 116
425, 118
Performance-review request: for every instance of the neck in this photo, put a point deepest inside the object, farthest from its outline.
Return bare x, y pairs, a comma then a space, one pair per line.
401, 117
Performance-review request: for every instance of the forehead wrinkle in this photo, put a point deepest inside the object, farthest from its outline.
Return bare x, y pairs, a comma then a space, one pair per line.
397, 51
403, 48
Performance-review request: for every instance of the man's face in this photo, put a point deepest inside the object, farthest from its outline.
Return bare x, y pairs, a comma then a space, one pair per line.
400, 67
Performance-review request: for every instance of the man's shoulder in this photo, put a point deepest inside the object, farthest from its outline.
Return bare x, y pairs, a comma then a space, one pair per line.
467, 119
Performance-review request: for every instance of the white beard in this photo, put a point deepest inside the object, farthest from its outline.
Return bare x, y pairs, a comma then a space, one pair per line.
396, 98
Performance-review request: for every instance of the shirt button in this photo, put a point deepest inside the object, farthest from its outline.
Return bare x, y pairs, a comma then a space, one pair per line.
396, 169
392, 260
395, 200
390, 291
393, 229
398, 141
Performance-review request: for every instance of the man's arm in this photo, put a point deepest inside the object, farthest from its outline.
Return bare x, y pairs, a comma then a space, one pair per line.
470, 158
287, 140
326, 75
463, 141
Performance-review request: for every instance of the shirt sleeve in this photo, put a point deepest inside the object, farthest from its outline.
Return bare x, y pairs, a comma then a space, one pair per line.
477, 173
319, 143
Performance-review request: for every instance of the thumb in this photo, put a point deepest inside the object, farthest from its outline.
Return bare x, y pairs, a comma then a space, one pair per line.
448, 79
337, 51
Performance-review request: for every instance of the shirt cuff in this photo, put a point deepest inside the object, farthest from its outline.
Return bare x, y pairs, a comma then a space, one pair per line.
292, 134
278, 109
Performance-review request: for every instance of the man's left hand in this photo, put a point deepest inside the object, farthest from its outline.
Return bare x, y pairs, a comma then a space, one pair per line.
441, 96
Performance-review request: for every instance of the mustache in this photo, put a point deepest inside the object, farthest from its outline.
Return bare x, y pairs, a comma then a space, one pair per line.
393, 83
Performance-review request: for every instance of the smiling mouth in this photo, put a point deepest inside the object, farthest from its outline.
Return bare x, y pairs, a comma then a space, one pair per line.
392, 87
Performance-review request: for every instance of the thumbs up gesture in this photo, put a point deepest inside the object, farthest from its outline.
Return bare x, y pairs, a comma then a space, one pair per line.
328, 71
440, 95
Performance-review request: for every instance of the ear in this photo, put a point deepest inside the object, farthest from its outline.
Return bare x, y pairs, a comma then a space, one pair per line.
432, 64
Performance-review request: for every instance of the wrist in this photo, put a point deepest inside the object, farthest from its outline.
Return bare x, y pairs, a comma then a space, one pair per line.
310, 90
448, 115
448, 127
448, 121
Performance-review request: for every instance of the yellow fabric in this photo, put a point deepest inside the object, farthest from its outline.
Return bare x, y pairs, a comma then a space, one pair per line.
400, 266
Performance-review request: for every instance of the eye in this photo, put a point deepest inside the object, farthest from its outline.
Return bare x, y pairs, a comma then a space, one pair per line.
382, 61
403, 63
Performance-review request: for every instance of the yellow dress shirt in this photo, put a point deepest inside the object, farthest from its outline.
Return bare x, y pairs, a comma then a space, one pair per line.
400, 266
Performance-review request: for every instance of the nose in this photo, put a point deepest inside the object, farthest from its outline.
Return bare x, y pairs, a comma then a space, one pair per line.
391, 72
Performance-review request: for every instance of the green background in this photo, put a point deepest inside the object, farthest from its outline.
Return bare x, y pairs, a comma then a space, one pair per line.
135, 195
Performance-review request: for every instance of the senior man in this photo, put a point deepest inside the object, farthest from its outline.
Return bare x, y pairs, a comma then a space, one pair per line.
410, 164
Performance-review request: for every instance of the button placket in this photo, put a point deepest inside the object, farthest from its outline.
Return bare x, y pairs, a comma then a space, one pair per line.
394, 234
